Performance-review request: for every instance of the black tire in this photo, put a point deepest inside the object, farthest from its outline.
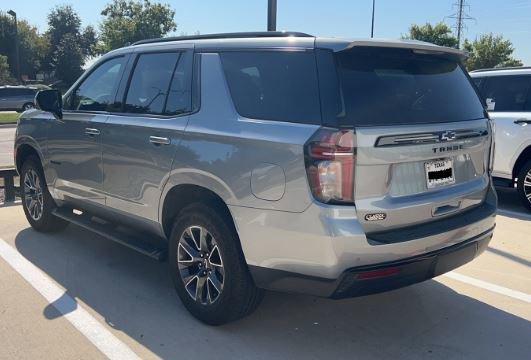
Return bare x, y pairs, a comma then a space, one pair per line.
46, 221
239, 296
524, 185
27, 106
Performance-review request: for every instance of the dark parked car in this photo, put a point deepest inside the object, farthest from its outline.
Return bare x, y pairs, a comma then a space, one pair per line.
17, 98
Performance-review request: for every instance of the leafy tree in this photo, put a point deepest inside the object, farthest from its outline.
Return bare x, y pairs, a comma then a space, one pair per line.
127, 21
32, 45
440, 34
68, 57
489, 51
5, 74
70, 45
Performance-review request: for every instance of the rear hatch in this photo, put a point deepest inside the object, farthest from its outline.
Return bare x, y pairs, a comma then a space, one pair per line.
422, 139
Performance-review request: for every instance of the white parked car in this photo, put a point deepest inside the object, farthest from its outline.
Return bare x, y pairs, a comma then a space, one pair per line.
507, 94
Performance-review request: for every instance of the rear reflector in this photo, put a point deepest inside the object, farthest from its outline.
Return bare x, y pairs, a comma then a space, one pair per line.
380, 273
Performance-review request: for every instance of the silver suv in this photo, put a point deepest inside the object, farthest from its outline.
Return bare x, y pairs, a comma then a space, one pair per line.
17, 98
276, 161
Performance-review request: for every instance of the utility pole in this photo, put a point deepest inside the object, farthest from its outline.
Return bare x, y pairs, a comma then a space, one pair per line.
372, 23
460, 17
17, 58
271, 15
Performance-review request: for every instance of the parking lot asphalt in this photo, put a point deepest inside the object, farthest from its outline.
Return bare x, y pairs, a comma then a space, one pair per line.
482, 310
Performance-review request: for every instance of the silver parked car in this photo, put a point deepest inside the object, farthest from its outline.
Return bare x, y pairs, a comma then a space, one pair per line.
273, 160
17, 98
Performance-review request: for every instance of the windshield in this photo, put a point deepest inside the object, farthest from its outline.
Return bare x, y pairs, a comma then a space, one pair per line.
382, 86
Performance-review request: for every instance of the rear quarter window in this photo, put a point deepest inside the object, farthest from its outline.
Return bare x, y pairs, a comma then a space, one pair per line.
274, 85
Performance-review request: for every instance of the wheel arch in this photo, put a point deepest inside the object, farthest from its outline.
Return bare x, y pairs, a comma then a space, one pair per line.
521, 160
22, 152
181, 195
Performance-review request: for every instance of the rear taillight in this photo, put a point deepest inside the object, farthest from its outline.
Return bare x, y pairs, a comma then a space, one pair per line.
330, 160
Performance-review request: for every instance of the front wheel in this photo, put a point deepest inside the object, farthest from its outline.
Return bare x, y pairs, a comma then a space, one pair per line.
524, 185
208, 268
37, 202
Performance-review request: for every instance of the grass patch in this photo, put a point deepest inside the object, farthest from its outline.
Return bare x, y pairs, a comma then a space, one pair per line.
8, 117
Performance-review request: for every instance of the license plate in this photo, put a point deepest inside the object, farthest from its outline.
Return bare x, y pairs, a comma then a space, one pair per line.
439, 173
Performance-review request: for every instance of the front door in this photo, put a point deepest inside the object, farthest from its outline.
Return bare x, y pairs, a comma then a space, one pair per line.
74, 142
140, 142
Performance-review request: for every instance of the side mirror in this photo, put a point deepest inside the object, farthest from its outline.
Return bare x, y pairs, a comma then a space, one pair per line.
50, 101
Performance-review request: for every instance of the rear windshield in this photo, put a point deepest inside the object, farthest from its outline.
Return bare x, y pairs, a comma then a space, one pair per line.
274, 85
379, 86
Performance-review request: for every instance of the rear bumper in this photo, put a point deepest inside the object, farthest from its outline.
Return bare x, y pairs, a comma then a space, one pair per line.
370, 279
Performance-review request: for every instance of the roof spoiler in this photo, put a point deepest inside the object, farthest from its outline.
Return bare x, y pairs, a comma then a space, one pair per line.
417, 47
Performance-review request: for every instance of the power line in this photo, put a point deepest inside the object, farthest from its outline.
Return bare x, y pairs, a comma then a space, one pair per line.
461, 16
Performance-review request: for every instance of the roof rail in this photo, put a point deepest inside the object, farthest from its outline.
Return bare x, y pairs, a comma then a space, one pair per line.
234, 35
504, 68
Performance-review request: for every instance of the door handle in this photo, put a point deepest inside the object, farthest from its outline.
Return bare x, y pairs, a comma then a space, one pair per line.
523, 121
91, 132
157, 140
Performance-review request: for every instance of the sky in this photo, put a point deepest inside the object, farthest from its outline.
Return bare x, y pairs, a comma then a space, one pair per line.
337, 18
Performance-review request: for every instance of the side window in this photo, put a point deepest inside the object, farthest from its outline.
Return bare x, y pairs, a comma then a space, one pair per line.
150, 84
9, 92
506, 93
478, 81
97, 91
274, 85
180, 94
527, 106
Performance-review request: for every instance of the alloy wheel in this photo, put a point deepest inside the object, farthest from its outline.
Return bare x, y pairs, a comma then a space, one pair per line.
527, 186
200, 265
33, 198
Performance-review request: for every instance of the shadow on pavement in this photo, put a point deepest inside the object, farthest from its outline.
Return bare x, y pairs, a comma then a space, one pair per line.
508, 200
135, 295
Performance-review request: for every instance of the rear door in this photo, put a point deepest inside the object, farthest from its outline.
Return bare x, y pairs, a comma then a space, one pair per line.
507, 99
421, 135
140, 140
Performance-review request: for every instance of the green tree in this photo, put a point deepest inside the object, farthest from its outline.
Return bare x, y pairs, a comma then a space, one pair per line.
68, 58
127, 21
32, 45
440, 34
5, 74
70, 45
489, 51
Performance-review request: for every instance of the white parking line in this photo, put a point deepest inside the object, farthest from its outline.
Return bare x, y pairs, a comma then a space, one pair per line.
95, 332
488, 286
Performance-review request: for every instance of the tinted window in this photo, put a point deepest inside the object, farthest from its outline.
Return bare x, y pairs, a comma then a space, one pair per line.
506, 93
150, 83
397, 86
22, 92
97, 91
7, 92
274, 85
478, 81
179, 97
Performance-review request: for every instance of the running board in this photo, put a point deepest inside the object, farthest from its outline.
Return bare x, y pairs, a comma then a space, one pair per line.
110, 231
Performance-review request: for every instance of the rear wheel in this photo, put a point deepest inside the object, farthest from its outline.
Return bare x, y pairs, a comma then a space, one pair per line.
524, 184
37, 202
208, 267
27, 106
